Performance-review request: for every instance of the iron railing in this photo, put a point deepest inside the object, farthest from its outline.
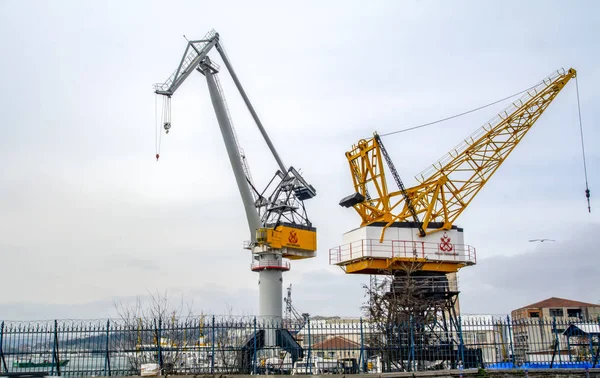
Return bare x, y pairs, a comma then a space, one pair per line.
242, 345
407, 249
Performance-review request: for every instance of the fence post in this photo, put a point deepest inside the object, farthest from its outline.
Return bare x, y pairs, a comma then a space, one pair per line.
107, 358
2, 347
158, 339
591, 346
53, 358
555, 342
595, 359
411, 358
254, 354
56, 354
361, 357
569, 348
308, 359
558, 343
510, 339
212, 354
461, 341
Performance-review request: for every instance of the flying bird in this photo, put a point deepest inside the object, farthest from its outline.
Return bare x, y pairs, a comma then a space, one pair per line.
541, 240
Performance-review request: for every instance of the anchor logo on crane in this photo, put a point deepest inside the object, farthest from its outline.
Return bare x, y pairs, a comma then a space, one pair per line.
293, 238
445, 244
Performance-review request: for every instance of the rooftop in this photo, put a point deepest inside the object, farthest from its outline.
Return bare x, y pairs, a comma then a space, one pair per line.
558, 302
336, 342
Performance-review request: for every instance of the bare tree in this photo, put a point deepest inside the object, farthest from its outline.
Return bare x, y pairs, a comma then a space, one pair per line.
157, 330
224, 340
233, 337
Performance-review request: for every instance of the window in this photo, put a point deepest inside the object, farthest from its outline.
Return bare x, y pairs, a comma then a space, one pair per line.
534, 314
481, 337
474, 337
574, 312
321, 354
331, 354
468, 337
556, 312
317, 339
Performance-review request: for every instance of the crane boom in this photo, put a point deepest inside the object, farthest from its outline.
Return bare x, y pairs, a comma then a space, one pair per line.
195, 53
252, 215
448, 186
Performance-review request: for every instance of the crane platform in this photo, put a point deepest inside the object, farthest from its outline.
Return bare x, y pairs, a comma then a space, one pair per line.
364, 253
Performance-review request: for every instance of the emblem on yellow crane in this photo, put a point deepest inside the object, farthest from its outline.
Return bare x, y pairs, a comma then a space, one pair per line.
293, 238
445, 243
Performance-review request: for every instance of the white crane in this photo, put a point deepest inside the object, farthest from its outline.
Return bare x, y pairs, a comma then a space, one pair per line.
278, 223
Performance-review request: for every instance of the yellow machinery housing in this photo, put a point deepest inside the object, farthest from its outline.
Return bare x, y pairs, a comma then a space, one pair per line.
295, 242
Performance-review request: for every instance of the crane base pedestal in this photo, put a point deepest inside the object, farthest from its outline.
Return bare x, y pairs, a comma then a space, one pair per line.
248, 354
270, 267
427, 304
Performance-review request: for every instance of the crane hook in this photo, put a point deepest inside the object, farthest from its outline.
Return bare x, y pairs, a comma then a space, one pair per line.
587, 196
157, 156
167, 127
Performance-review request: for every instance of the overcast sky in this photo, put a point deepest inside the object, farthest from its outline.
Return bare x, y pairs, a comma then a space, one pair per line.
88, 217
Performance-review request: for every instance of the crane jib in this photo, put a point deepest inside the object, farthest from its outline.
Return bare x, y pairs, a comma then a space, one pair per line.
447, 187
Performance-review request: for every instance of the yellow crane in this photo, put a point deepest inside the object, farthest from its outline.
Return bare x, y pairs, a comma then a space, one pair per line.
443, 192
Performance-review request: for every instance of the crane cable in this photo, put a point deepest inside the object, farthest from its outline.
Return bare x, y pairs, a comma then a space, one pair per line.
458, 115
165, 120
587, 189
157, 133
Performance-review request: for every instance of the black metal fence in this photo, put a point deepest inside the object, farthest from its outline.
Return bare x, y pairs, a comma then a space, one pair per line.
217, 344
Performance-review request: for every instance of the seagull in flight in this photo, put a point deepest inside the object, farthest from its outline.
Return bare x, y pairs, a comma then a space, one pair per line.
541, 240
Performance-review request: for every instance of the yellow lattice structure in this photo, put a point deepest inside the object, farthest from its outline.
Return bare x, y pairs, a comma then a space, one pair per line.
448, 186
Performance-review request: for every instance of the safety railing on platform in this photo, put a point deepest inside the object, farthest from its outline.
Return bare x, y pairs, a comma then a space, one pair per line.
389, 249
270, 264
311, 345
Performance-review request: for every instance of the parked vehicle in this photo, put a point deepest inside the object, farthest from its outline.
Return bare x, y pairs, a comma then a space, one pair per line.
316, 365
